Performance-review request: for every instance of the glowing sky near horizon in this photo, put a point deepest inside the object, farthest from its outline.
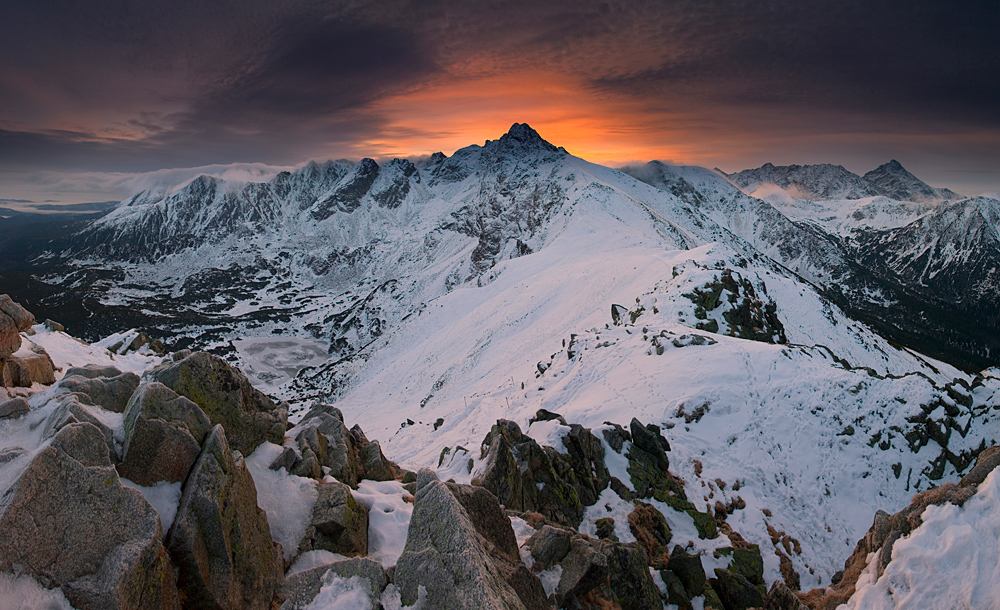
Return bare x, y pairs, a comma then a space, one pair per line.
94, 94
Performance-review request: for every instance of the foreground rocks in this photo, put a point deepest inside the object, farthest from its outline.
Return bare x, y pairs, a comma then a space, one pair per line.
13, 320
226, 396
447, 554
220, 540
56, 527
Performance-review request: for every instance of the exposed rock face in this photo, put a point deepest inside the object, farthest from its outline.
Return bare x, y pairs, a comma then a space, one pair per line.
92, 371
111, 393
446, 554
339, 522
99, 562
226, 396
14, 408
324, 440
594, 572
72, 409
220, 540
515, 466
22, 318
301, 588
163, 435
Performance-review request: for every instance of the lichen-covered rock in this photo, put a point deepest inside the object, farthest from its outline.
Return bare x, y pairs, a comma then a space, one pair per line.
780, 597
111, 393
339, 523
688, 569
301, 588
220, 540
629, 578
586, 457
373, 464
549, 546
226, 396
92, 371
584, 569
446, 555
735, 591
14, 408
163, 435
70, 523
528, 477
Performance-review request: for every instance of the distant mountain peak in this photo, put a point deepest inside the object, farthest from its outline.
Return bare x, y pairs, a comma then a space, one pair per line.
893, 180
523, 136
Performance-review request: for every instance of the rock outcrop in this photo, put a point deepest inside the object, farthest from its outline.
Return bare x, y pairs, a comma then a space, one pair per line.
325, 441
447, 555
69, 523
220, 540
111, 393
163, 435
13, 320
339, 523
226, 396
301, 588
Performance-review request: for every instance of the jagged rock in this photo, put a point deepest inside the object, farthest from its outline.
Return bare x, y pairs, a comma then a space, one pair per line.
651, 531
676, 594
40, 367
163, 435
616, 436
549, 546
339, 522
446, 554
629, 577
583, 569
735, 591
543, 415
780, 597
10, 338
54, 326
606, 529
359, 435
689, 570
285, 460
71, 409
180, 355
13, 374
220, 540
8, 454
226, 396
111, 393
57, 525
649, 439
92, 371
748, 563
301, 588
586, 458
341, 453
494, 526
14, 408
374, 466
527, 477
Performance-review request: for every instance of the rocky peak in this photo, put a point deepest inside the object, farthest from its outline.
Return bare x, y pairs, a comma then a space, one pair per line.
521, 136
893, 180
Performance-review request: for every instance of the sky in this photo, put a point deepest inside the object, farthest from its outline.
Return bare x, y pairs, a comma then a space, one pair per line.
98, 99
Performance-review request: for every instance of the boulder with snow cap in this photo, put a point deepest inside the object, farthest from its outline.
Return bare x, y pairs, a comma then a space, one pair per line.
37, 362
226, 396
220, 540
301, 588
111, 393
55, 525
14, 408
92, 371
163, 435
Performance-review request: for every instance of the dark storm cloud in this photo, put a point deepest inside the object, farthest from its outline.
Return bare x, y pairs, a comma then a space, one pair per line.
128, 86
899, 58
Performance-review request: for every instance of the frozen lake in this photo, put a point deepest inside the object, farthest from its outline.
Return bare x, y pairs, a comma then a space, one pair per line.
270, 362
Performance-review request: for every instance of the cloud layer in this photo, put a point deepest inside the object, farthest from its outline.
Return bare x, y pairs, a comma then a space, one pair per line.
128, 87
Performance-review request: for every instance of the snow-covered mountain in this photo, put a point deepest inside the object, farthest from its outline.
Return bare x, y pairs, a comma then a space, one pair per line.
429, 299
